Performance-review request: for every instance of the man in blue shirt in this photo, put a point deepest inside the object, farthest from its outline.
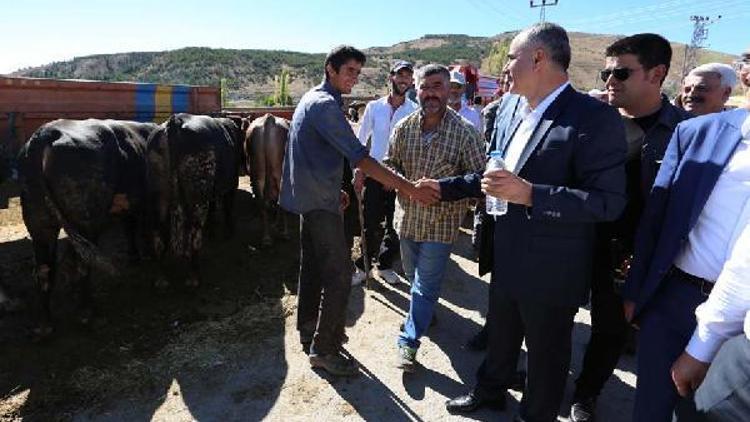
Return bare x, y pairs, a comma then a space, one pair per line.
320, 139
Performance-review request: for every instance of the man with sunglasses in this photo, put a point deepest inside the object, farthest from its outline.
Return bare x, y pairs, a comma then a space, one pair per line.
635, 69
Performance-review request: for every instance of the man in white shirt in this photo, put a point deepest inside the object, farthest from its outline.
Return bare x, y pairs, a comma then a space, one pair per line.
377, 124
725, 314
456, 102
707, 88
688, 242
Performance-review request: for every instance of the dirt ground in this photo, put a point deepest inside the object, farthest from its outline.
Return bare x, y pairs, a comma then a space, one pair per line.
228, 350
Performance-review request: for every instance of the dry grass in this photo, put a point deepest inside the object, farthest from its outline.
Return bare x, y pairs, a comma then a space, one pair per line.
200, 346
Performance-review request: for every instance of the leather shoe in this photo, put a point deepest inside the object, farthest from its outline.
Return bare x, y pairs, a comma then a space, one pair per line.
473, 401
583, 410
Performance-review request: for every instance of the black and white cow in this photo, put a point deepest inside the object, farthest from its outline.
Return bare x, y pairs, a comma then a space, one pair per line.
191, 162
75, 174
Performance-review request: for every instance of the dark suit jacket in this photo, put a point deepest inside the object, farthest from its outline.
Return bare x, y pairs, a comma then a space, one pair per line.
575, 161
693, 162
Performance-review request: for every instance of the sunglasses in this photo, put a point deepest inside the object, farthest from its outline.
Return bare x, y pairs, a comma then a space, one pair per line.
739, 64
620, 73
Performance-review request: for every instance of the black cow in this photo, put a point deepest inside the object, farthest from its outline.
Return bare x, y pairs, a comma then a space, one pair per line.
75, 174
191, 161
265, 146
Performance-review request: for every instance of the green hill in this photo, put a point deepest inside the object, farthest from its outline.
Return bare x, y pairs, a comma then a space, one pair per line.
249, 73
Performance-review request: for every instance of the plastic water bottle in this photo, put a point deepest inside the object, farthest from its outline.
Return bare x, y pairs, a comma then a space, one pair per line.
496, 206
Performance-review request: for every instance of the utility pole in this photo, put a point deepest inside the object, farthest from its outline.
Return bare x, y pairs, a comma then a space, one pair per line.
700, 35
543, 4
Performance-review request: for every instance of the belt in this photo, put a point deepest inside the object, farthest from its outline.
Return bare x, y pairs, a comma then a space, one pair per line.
702, 283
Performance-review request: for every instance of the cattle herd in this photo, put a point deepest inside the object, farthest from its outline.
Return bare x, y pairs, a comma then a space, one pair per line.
163, 181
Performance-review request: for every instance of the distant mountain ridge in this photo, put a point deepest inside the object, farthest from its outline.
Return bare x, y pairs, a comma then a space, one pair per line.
249, 74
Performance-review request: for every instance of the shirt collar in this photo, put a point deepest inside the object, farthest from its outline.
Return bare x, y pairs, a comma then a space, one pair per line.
545, 103
328, 87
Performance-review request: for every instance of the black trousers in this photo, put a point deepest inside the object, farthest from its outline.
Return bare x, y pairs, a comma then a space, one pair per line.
609, 329
547, 330
324, 281
379, 206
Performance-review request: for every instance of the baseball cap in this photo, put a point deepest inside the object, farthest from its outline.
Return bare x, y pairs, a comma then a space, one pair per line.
457, 77
401, 64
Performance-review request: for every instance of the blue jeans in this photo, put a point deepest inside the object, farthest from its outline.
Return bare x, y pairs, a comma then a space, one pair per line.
424, 265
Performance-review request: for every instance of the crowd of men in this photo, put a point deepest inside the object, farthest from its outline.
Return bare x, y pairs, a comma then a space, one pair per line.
624, 187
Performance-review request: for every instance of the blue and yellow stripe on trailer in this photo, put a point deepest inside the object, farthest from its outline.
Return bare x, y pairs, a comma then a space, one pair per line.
155, 103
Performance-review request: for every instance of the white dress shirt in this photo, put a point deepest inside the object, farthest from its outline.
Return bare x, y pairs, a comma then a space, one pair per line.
473, 116
709, 241
531, 119
379, 120
728, 306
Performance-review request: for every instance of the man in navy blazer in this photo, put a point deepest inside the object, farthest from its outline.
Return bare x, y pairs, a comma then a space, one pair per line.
565, 153
681, 239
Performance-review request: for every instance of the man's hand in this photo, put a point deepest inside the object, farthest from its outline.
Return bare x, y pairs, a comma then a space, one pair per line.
423, 194
358, 181
343, 201
628, 308
688, 373
506, 185
430, 183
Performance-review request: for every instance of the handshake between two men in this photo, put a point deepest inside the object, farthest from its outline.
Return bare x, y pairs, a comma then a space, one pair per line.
498, 183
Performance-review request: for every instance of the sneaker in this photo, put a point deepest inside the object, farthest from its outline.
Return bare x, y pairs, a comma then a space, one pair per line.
407, 358
582, 410
335, 364
389, 276
358, 277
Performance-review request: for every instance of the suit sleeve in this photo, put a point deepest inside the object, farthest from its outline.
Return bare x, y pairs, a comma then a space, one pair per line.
653, 215
599, 172
460, 187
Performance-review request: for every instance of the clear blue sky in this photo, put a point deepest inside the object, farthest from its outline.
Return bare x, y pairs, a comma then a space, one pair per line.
35, 32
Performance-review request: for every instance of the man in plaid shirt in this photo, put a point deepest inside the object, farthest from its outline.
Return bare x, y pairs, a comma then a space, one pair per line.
432, 143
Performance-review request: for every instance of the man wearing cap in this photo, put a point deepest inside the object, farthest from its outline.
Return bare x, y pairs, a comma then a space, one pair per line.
378, 120
707, 88
455, 101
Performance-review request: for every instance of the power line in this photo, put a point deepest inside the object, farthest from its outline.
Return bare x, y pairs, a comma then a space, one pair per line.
543, 4
655, 13
700, 35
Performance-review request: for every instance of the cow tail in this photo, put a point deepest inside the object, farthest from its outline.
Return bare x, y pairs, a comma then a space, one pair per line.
36, 181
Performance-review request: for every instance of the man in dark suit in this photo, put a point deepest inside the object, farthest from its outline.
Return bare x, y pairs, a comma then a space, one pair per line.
565, 155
